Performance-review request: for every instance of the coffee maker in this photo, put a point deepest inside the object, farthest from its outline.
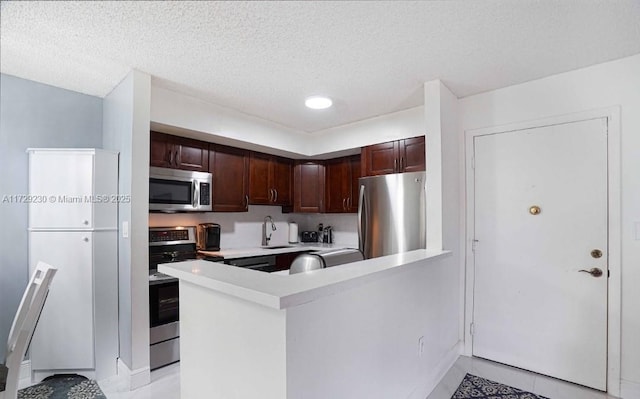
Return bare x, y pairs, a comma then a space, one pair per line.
208, 237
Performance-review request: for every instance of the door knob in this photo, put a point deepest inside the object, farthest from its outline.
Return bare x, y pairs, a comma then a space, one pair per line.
594, 271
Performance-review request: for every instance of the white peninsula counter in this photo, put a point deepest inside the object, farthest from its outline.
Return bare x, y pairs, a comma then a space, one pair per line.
378, 328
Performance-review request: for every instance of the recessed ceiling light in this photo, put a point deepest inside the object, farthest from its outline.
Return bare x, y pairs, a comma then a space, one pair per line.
318, 102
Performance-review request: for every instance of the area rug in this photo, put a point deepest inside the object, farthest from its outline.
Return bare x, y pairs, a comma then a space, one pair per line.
473, 387
63, 386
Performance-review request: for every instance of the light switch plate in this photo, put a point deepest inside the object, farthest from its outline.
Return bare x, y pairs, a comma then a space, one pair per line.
637, 231
125, 229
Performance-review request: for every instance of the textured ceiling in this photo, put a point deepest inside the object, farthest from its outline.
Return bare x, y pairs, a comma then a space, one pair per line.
264, 58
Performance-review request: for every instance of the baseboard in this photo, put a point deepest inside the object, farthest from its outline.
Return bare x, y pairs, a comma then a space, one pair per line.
629, 389
432, 380
134, 378
25, 375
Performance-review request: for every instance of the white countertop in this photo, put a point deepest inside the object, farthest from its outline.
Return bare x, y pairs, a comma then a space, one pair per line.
283, 291
274, 249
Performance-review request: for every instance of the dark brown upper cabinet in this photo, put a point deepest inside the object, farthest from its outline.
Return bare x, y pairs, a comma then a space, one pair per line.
341, 185
230, 169
398, 156
308, 187
270, 180
175, 152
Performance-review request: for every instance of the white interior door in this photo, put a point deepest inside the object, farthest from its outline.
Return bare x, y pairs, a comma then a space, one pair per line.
533, 306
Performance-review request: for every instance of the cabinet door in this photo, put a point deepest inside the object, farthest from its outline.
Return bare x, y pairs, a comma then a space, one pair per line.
354, 186
380, 159
64, 337
167, 151
308, 187
63, 184
337, 185
281, 177
412, 154
230, 169
191, 154
160, 150
260, 190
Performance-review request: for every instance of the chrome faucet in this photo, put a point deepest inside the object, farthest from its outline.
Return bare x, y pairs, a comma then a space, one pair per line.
266, 238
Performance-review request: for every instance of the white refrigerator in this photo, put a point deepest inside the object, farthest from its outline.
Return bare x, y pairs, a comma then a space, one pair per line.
73, 223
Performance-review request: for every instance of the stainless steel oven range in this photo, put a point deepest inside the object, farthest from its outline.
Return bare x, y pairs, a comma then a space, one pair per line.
166, 244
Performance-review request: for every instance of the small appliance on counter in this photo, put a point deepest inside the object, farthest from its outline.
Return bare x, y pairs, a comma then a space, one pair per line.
208, 237
327, 235
309, 236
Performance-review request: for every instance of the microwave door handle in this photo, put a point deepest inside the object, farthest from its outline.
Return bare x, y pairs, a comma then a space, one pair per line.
196, 192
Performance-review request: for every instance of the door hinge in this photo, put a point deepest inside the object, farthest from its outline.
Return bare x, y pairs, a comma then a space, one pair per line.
472, 329
474, 245
608, 273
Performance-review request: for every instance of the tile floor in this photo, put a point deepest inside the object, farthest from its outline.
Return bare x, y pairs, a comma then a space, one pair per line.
165, 382
517, 378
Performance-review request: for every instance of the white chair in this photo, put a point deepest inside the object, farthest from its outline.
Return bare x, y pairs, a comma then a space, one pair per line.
24, 324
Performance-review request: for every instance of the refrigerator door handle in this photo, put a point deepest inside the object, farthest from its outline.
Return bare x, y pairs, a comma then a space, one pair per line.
361, 220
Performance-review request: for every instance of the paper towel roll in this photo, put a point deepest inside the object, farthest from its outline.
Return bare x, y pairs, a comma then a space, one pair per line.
293, 233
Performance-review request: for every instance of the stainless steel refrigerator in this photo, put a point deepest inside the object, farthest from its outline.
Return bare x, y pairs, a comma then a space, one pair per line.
391, 214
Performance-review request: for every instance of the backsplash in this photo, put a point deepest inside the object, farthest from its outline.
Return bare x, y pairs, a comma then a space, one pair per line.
345, 228
244, 229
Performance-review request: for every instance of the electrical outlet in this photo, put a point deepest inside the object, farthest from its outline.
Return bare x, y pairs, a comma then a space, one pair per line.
420, 346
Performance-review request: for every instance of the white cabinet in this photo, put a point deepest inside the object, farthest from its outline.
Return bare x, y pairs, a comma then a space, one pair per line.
78, 328
73, 189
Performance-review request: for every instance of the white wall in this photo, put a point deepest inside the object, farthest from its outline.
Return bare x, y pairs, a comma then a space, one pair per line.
126, 129
360, 342
231, 348
173, 112
432, 116
597, 87
388, 127
363, 342
189, 113
32, 115
445, 194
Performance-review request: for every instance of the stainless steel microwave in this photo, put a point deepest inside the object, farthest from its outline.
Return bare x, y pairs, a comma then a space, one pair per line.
173, 190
